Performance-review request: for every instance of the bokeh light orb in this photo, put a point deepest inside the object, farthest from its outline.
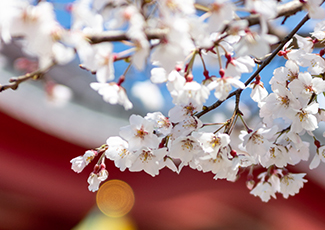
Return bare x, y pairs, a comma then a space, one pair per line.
115, 198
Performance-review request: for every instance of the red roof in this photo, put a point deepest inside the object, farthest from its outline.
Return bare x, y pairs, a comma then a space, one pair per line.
39, 190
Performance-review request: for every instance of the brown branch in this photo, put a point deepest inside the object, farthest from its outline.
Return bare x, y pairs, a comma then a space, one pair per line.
114, 36
286, 10
264, 64
15, 81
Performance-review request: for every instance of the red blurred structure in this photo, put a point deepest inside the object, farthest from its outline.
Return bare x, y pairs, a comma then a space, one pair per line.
38, 190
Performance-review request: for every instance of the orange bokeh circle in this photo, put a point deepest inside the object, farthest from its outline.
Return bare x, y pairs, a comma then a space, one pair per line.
115, 198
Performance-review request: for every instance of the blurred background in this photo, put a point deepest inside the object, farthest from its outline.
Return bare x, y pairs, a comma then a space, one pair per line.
46, 123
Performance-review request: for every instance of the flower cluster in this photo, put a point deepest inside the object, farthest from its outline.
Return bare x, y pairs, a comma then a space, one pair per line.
171, 36
153, 142
279, 181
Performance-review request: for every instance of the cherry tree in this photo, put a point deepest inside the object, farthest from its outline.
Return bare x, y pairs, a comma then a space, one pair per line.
176, 37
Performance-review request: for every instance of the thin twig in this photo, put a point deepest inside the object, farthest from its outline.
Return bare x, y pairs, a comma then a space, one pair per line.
15, 81
264, 64
234, 116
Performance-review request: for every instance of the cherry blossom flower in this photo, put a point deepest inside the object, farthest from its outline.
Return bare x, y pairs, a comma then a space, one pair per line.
280, 103
258, 143
136, 33
297, 154
83, 17
314, 9
80, 162
304, 118
319, 156
139, 133
95, 179
258, 90
297, 149
185, 148
178, 7
175, 84
162, 124
221, 12
267, 9
237, 66
181, 112
306, 85
118, 152
291, 183
176, 45
192, 92
112, 93
186, 91
319, 31
148, 160
242, 160
320, 115
32, 19
266, 189
103, 61
9, 12
282, 75
220, 165
199, 32
57, 94
315, 63
185, 127
97, 58
223, 85
211, 143
305, 44
169, 163
42, 34
257, 45
277, 155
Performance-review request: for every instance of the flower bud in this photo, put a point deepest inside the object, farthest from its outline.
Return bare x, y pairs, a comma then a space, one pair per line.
250, 184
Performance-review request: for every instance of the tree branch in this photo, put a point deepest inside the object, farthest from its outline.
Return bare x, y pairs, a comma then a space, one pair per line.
286, 10
15, 81
115, 36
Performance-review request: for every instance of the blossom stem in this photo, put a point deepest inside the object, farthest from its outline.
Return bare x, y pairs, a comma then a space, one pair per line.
219, 57
210, 124
101, 158
101, 150
221, 127
205, 71
191, 62
244, 123
127, 69
201, 7
282, 132
312, 98
232, 124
